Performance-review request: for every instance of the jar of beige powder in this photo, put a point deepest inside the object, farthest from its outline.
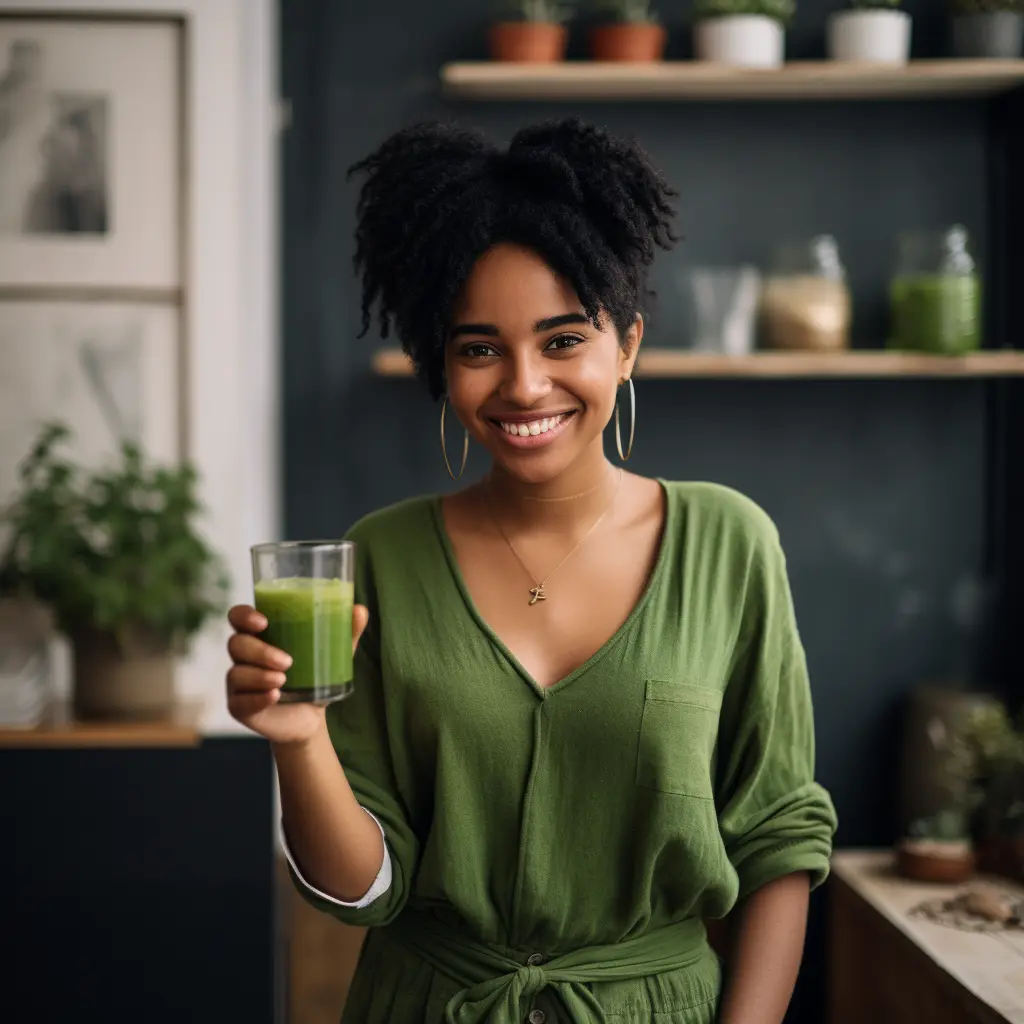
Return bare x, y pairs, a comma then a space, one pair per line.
805, 302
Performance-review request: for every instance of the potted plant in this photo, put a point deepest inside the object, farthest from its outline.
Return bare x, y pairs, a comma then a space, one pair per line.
873, 31
629, 30
988, 28
937, 848
988, 755
743, 33
531, 31
115, 554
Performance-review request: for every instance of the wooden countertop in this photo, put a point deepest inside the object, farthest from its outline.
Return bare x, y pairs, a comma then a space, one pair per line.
989, 965
60, 729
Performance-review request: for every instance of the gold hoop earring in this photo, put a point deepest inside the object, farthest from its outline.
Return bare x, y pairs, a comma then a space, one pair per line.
444, 446
632, 423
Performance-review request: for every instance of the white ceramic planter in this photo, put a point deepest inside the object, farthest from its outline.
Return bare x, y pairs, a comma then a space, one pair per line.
742, 40
875, 37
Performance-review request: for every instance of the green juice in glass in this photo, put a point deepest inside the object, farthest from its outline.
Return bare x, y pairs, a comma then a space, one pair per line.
310, 619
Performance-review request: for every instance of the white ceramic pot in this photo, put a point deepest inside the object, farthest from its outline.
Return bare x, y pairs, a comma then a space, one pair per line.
742, 40
876, 37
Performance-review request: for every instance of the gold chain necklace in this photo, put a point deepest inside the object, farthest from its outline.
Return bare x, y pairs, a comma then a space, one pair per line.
537, 591
567, 497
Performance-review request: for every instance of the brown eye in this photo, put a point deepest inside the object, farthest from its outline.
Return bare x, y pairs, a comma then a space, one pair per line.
477, 350
563, 343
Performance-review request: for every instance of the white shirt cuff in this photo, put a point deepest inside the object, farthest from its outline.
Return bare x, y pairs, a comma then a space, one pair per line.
381, 883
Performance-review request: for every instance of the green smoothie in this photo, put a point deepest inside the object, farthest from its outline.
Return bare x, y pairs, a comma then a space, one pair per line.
311, 619
938, 313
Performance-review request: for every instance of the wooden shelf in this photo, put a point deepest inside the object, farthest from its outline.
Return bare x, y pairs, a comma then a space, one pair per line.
60, 729
699, 80
670, 363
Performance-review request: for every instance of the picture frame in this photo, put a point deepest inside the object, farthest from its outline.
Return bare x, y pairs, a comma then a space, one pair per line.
90, 153
109, 370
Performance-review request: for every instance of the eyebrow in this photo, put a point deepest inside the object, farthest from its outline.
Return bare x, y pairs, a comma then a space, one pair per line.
547, 324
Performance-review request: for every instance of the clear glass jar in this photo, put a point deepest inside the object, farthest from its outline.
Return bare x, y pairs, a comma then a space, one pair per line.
805, 302
935, 295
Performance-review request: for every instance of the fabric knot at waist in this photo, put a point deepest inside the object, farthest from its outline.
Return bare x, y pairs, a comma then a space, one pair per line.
497, 987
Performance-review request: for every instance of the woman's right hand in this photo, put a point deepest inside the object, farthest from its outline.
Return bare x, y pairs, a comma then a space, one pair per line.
255, 679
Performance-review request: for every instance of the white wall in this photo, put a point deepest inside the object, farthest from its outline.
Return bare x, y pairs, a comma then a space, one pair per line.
232, 421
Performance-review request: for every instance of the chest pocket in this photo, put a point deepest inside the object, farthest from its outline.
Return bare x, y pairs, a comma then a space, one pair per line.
677, 739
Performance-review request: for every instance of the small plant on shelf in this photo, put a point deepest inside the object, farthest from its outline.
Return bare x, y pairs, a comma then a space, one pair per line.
116, 555
531, 31
987, 760
742, 33
987, 28
777, 10
938, 848
985, 6
627, 30
631, 12
871, 31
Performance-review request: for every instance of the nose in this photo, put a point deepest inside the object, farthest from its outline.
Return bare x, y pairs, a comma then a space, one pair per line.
525, 381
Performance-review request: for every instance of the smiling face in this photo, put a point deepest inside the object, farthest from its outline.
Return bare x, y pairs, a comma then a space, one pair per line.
528, 375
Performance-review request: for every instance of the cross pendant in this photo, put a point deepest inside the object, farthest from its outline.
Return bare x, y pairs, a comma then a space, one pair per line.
537, 594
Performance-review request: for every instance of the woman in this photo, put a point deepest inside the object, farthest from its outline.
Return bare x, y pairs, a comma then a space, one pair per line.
582, 721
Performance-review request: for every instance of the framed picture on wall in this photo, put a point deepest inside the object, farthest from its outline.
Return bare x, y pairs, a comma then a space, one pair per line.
90, 153
107, 370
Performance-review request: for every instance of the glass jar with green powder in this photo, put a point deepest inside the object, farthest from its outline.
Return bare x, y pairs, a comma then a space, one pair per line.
936, 294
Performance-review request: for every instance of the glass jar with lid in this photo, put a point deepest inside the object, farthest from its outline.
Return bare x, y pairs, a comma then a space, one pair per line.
935, 296
805, 302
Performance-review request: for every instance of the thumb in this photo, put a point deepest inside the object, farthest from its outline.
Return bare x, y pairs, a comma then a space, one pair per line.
360, 617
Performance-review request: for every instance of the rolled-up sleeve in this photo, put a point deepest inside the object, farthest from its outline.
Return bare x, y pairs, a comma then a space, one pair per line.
775, 819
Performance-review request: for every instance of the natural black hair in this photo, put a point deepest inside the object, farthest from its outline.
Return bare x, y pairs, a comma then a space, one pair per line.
436, 197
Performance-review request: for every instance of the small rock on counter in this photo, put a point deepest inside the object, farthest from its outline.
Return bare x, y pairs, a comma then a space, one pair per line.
990, 903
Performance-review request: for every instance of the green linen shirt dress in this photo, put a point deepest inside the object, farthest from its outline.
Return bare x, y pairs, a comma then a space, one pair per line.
554, 850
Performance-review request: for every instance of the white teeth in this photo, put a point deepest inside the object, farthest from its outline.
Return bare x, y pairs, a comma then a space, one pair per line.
533, 428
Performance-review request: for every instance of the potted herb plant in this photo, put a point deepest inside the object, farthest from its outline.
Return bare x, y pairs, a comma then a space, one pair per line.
743, 33
988, 755
628, 30
531, 31
937, 848
988, 28
116, 556
873, 31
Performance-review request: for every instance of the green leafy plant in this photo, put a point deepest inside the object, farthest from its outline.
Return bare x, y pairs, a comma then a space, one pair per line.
986, 760
779, 10
551, 12
631, 12
111, 550
986, 6
947, 826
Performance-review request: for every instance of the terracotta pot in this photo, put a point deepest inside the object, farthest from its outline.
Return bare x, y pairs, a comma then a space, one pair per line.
936, 862
533, 42
111, 681
639, 43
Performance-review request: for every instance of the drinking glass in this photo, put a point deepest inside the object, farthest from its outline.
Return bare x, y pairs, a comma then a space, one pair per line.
305, 590
725, 304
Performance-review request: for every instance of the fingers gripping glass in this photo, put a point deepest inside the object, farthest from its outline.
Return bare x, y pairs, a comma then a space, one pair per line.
305, 590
